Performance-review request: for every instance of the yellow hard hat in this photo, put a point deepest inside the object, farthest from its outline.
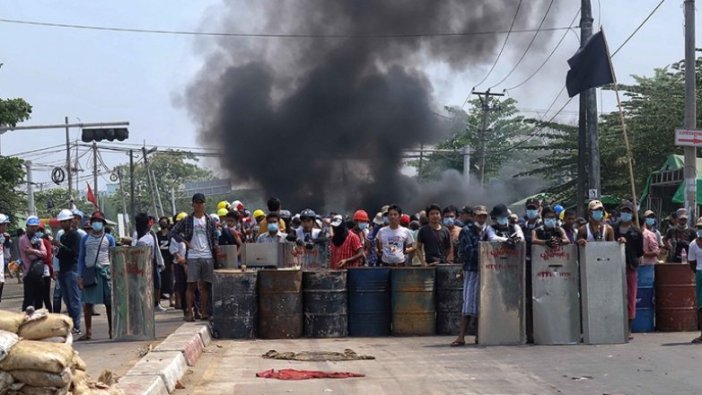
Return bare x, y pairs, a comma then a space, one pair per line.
181, 216
258, 213
223, 205
222, 212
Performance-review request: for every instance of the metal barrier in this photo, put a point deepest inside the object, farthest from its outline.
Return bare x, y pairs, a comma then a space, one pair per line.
227, 257
132, 293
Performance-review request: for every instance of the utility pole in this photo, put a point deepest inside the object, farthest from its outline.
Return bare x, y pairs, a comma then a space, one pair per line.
173, 205
148, 177
485, 106
30, 189
588, 137
690, 167
68, 162
121, 195
466, 164
95, 175
131, 186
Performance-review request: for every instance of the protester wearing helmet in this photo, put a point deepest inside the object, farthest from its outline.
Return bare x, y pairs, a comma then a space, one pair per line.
223, 205
67, 242
307, 233
32, 253
361, 229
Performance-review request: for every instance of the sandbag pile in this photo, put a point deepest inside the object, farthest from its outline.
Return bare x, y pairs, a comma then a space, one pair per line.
37, 357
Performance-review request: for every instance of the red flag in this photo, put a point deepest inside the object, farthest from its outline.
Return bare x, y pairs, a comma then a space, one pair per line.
90, 196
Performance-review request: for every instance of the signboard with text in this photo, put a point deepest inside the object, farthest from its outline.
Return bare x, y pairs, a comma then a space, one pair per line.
689, 138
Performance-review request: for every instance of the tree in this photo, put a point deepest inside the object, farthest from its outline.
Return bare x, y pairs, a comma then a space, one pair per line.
49, 202
12, 200
504, 127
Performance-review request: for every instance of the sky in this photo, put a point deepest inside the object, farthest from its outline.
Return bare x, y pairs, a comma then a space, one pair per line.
103, 76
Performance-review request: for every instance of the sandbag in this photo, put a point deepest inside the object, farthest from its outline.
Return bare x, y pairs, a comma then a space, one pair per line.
77, 363
10, 321
7, 341
36, 378
36, 355
29, 390
80, 383
6, 381
50, 325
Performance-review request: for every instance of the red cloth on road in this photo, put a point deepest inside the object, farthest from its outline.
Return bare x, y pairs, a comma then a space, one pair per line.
294, 374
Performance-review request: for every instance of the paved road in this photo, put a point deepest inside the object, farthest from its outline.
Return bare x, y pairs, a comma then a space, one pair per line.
101, 352
652, 364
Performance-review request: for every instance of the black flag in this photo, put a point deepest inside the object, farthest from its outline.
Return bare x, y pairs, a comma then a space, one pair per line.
590, 66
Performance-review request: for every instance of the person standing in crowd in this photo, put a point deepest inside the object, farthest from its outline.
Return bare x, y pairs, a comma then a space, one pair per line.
678, 237
198, 233
254, 231
451, 222
180, 277
273, 233
273, 207
159, 265
569, 225
469, 244
48, 274
651, 245
625, 232
694, 258
307, 233
361, 229
530, 222
651, 223
32, 252
346, 246
4, 250
394, 242
146, 238
164, 243
434, 239
94, 272
595, 229
68, 242
373, 258
501, 230
549, 234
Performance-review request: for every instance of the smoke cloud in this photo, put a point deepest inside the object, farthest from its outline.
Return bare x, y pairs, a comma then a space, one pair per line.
322, 121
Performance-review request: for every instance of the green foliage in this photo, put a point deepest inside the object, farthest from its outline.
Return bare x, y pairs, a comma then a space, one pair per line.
49, 202
13, 111
12, 201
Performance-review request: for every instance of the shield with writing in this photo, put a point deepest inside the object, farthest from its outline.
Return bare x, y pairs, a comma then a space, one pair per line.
502, 268
555, 292
310, 256
132, 293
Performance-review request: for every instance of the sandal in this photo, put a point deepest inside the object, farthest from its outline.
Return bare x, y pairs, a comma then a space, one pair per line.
85, 337
457, 343
697, 340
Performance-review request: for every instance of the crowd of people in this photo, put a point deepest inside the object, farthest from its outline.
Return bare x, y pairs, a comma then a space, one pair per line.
186, 245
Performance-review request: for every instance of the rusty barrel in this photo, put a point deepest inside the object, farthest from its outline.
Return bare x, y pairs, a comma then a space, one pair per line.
234, 304
279, 304
369, 301
449, 299
675, 298
324, 300
413, 302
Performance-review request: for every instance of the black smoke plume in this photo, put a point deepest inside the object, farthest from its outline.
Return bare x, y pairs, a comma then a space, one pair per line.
321, 121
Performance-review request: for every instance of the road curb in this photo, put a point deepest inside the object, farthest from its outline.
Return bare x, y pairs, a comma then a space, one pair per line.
158, 371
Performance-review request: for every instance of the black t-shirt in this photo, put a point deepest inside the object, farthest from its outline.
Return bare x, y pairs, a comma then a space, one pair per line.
164, 241
544, 233
67, 254
680, 238
634, 245
437, 243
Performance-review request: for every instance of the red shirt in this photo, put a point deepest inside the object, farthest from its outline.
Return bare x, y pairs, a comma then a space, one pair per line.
346, 250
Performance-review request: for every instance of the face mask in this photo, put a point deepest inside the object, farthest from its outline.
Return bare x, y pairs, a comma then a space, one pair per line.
626, 217
650, 221
218, 232
448, 221
597, 215
550, 222
503, 221
272, 227
2, 238
363, 226
531, 214
39, 235
699, 233
97, 226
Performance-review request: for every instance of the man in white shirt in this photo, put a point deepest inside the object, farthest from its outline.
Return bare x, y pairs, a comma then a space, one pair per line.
394, 243
694, 258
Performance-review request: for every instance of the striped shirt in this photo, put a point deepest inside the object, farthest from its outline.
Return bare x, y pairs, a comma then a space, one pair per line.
346, 250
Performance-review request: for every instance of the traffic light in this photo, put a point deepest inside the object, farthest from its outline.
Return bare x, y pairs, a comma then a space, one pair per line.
99, 134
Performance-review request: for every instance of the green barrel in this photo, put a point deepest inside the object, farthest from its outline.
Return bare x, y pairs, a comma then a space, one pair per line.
413, 301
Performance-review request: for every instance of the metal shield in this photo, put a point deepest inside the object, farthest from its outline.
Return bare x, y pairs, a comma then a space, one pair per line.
262, 254
132, 293
313, 257
227, 257
502, 269
603, 286
555, 294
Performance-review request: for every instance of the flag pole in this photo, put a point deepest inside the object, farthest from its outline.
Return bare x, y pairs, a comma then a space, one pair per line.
629, 157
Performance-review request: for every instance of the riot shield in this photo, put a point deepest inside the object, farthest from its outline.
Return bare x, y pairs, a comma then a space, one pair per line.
603, 287
309, 257
555, 294
227, 257
502, 269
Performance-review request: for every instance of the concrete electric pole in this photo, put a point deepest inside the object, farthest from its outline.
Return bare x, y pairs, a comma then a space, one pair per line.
690, 168
486, 108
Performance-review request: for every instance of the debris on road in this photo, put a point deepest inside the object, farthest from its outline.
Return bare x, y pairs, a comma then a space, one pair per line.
347, 355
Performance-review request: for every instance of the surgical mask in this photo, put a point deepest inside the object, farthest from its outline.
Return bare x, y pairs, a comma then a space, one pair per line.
272, 227
597, 215
626, 217
363, 225
531, 214
448, 221
650, 221
97, 226
503, 221
550, 222
481, 226
699, 232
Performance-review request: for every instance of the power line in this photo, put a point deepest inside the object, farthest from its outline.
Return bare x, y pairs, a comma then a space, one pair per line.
504, 44
276, 35
547, 58
638, 27
533, 39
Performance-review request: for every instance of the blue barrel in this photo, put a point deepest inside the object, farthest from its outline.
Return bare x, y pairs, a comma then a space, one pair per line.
369, 302
235, 304
645, 297
413, 302
324, 300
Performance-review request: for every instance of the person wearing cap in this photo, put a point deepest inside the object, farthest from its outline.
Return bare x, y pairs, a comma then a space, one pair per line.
434, 239
469, 245
595, 229
679, 237
198, 232
94, 276
4, 249
501, 230
651, 223
273, 234
273, 205
694, 259
361, 229
67, 242
346, 247
32, 253
394, 243
626, 232
307, 233
550, 233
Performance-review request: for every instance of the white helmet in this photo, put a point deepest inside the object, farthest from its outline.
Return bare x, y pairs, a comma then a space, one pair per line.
4, 219
64, 215
214, 217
